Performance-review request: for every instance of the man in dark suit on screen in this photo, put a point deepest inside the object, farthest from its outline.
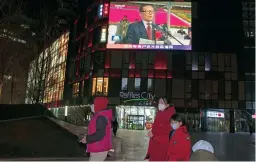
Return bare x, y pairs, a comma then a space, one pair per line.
143, 29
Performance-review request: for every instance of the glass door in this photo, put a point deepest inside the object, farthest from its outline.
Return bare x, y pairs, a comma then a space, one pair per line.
135, 122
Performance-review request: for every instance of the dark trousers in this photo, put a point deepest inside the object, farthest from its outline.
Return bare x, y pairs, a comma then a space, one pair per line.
114, 131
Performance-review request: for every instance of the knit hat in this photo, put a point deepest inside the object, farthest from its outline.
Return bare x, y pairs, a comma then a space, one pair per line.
202, 145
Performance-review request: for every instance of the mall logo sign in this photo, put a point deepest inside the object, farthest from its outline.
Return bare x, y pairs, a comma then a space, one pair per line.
136, 95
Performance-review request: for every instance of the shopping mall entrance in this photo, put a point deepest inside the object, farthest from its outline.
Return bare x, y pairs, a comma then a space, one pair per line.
135, 117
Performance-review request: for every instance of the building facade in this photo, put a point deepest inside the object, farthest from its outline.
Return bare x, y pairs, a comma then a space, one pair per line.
204, 86
246, 65
201, 85
47, 74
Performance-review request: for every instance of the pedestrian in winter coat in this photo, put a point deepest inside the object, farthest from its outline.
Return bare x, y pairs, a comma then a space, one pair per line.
99, 138
203, 151
159, 134
115, 127
180, 141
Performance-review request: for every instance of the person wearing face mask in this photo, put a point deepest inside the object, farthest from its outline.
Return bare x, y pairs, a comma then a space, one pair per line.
180, 141
99, 138
159, 134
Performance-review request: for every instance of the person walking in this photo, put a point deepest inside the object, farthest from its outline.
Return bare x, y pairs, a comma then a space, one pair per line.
115, 127
203, 151
180, 142
159, 134
99, 138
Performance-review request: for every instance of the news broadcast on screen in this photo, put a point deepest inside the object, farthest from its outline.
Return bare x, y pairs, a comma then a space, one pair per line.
150, 25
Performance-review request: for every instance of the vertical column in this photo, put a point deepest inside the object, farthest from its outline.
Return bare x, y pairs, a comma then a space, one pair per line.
203, 120
66, 113
232, 121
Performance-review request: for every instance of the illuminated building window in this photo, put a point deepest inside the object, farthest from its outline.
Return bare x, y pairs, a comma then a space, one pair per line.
76, 90
137, 84
124, 84
106, 8
53, 61
150, 84
194, 62
100, 86
82, 89
207, 66
103, 34
100, 11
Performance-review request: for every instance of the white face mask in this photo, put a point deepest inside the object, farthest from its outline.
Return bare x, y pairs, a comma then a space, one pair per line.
174, 126
92, 108
161, 107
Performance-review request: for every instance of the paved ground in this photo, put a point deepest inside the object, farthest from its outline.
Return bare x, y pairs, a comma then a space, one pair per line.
228, 147
80, 131
44, 139
37, 137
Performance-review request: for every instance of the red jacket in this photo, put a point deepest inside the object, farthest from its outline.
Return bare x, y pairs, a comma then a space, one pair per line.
158, 144
106, 143
179, 145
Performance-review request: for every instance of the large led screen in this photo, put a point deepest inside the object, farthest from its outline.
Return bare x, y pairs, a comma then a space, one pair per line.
150, 25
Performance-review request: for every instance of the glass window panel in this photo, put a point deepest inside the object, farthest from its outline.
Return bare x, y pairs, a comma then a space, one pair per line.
93, 86
201, 60
188, 86
228, 60
137, 84
208, 88
124, 84
228, 87
194, 61
207, 62
134, 110
248, 90
105, 87
150, 84
99, 86
215, 87
202, 86
214, 59
178, 88
188, 58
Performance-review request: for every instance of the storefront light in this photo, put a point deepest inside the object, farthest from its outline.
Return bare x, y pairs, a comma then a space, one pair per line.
103, 35
66, 110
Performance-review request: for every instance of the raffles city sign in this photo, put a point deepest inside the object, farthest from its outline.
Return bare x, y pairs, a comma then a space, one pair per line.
136, 95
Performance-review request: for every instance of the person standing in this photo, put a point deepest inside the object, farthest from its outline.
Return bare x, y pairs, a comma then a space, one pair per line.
122, 28
115, 127
180, 141
145, 28
99, 138
159, 134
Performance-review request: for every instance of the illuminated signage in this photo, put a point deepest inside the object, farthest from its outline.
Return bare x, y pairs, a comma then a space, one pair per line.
136, 95
254, 116
105, 11
215, 114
